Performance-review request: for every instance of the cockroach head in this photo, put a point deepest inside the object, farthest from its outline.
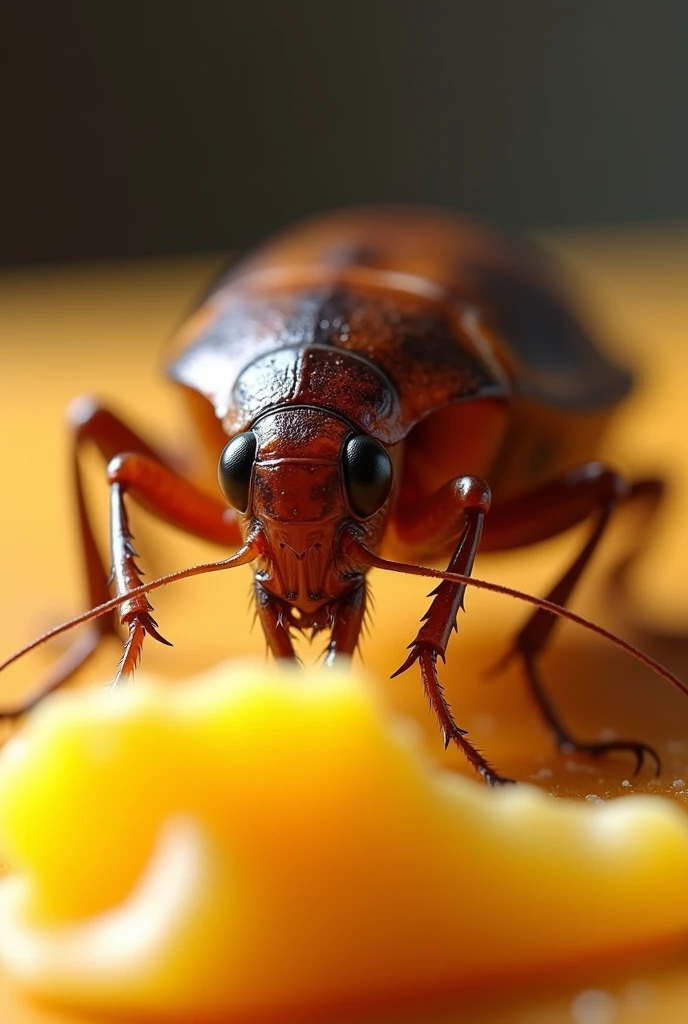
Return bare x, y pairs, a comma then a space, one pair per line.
304, 465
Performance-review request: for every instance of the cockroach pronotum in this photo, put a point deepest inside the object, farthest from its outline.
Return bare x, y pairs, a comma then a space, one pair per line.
381, 379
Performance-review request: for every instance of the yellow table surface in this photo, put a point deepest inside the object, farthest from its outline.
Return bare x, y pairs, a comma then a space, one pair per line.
102, 330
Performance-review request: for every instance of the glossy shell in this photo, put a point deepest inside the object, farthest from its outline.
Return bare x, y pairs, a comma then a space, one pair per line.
390, 318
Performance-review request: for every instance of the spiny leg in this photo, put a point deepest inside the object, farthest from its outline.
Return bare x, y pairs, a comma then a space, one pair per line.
468, 498
153, 483
94, 424
595, 490
176, 500
134, 614
90, 423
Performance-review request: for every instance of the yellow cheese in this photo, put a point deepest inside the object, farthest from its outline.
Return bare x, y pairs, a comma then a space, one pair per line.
269, 841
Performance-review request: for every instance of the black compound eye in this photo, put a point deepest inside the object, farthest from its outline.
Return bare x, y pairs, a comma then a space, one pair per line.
234, 471
367, 474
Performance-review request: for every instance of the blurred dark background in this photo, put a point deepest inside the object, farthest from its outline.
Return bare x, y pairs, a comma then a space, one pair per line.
160, 127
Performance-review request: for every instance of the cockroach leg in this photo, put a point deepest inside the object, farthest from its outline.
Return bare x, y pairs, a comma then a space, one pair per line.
470, 501
567, 744
90, 423
471, 497
170, 497
152, 482
135, 613
452, 733
604, 490
648, 495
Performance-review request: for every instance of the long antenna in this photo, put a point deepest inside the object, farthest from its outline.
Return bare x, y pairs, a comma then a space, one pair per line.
369, 557
245, 554
249, 552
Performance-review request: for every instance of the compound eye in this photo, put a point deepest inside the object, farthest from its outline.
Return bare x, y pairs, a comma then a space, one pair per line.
234, 470
367, 475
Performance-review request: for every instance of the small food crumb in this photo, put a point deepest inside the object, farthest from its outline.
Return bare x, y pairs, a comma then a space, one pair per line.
678, 784
593, 798
594, 1006
626, 783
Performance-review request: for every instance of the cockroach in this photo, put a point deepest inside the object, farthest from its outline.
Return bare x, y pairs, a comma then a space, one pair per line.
395, 380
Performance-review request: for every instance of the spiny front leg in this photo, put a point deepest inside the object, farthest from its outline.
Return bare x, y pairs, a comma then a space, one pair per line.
471, 497
170, 497
135, 613
427, 661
